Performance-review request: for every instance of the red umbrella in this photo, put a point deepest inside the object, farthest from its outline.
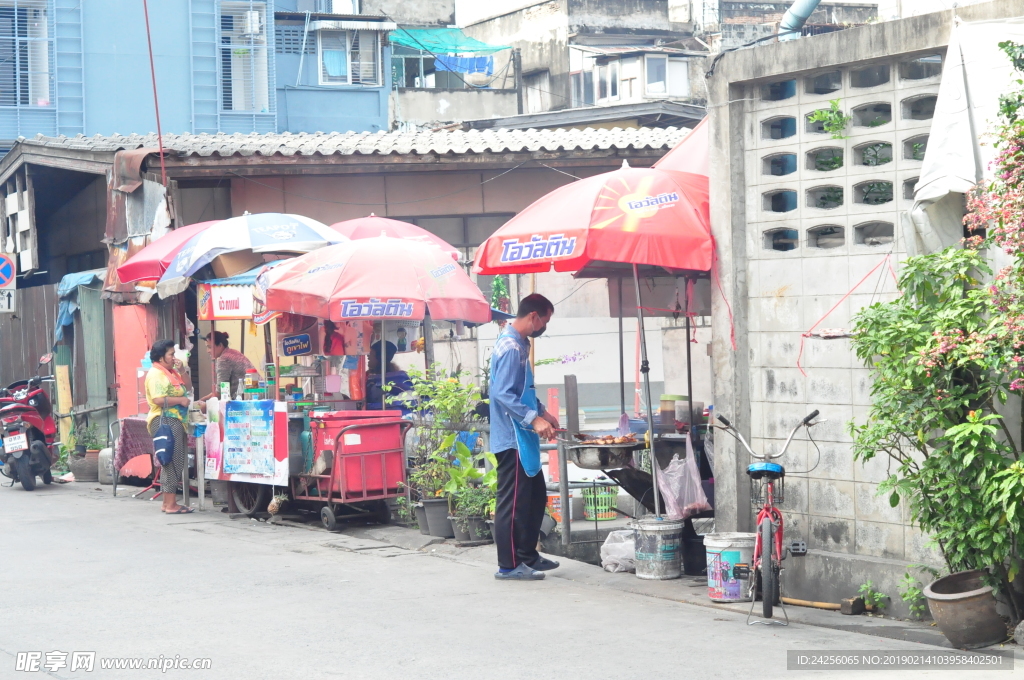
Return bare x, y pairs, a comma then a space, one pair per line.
151, 262
375, 279
632, 216
635, 216
693, 154
369, 227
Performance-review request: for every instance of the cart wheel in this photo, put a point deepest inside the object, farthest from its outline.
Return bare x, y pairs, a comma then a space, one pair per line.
250, 498
328, 519
47, 476
379, 512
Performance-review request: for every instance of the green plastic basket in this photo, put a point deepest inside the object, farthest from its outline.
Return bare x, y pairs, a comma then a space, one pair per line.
599, 503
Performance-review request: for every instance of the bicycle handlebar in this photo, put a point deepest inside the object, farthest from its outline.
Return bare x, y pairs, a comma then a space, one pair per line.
806, 422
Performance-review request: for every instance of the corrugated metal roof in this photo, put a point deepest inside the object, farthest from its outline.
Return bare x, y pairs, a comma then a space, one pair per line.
382, 143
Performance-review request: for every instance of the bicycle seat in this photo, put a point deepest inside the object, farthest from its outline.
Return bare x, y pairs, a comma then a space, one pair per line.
765, 469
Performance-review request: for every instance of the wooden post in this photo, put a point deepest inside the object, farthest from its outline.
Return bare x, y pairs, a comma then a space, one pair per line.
428, 343
62, 374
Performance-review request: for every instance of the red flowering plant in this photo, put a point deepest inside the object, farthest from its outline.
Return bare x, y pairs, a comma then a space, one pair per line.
947, 362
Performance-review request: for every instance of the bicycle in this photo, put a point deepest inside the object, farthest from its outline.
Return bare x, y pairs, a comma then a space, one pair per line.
764, 476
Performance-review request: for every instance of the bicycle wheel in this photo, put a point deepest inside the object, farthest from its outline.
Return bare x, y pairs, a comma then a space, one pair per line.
769, 575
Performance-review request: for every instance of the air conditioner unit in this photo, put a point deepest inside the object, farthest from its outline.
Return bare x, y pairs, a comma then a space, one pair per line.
253, 24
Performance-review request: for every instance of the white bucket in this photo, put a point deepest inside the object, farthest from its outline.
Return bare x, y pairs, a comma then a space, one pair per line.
725, 551
658, 544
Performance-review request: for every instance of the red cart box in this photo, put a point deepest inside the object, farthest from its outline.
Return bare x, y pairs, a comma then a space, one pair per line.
366, 447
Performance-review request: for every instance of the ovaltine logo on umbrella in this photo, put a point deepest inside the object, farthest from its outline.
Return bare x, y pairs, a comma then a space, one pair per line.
658, 201
281, 232
537, 248
182, 259
352, 309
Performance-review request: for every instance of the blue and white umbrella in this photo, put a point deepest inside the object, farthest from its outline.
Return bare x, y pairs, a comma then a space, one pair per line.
261, 233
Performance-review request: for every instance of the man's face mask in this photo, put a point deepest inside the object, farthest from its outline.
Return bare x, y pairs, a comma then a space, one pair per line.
540, 331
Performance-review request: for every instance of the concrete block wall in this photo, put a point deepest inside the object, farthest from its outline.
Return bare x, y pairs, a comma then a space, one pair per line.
831, 501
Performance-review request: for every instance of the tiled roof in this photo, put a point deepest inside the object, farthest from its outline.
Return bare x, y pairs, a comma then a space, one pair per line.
366, 143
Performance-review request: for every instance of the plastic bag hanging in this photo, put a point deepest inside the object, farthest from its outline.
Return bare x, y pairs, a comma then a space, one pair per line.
679, 484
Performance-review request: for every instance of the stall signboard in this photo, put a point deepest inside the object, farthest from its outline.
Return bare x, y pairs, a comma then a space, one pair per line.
249, 437
221, 303
297, 345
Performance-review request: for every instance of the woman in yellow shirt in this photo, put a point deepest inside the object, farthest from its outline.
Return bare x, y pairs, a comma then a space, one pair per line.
167, 395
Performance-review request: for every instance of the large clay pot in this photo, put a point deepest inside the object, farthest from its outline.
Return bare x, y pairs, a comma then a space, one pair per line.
965, 610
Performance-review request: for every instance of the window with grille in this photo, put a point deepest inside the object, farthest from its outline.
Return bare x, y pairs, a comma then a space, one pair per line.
26, 45
243, 57
288, 39
349, 57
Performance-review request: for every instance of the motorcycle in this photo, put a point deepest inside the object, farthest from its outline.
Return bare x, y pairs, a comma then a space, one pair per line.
28, 430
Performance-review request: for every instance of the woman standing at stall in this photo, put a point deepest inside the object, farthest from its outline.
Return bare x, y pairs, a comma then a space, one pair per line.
167, 395
396, 379
232, 365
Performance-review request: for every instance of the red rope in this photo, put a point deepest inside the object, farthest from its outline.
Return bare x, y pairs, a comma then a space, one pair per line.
804, 336
156, 100
718, 282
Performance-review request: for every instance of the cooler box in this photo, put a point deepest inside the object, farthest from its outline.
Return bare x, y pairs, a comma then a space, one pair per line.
370, 459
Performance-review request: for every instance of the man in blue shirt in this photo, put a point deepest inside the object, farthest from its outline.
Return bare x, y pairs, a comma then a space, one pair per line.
518, 423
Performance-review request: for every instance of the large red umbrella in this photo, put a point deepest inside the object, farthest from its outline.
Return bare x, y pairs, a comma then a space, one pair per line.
640, 217
151, 262
372, 226
633, 216
375, 279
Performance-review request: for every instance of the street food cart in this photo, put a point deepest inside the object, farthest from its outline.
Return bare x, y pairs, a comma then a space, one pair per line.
323, 450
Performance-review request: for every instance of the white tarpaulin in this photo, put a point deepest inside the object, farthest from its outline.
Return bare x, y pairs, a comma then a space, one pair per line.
960, 146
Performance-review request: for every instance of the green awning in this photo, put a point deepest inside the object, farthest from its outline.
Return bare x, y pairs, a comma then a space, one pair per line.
441, 41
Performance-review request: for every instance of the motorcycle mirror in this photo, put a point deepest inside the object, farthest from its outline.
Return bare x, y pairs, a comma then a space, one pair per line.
45, 359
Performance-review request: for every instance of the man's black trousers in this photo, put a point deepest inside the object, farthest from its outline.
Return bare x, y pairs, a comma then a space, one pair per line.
519, 513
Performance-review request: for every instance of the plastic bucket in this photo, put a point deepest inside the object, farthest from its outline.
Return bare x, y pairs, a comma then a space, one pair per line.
658, 544
724, 552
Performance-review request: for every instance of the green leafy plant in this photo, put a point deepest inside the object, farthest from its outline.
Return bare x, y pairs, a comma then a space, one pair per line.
917, 151
830, 197
876, 154
1010, 104
428, 477
873, 598
403, 510
911, 592
445, 406
942, 356
826, 161
877, 193
832, 119
878, 121
89, 438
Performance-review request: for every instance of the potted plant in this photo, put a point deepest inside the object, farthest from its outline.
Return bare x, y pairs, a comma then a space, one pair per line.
473, 494
429, 479
85, 463
444, 407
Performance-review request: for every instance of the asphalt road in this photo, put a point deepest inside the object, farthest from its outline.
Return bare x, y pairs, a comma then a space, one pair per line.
86, 572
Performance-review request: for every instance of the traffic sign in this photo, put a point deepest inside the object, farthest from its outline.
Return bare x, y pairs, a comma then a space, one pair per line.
8, 292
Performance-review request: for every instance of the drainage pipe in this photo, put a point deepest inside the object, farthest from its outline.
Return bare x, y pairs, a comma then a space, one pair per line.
795, 18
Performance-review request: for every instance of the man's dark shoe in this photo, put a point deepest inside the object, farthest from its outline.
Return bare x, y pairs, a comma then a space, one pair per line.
520, 573
544, 564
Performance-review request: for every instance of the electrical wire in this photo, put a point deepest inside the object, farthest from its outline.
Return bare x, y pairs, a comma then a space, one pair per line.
156, 100
714, 62
816, 462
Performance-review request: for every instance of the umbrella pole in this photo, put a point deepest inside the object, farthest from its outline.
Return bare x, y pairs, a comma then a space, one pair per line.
622, 358
645, 369
428, 343
689, 370
383, 366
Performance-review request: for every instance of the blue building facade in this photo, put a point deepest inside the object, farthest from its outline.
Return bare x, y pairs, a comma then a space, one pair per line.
71, 67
